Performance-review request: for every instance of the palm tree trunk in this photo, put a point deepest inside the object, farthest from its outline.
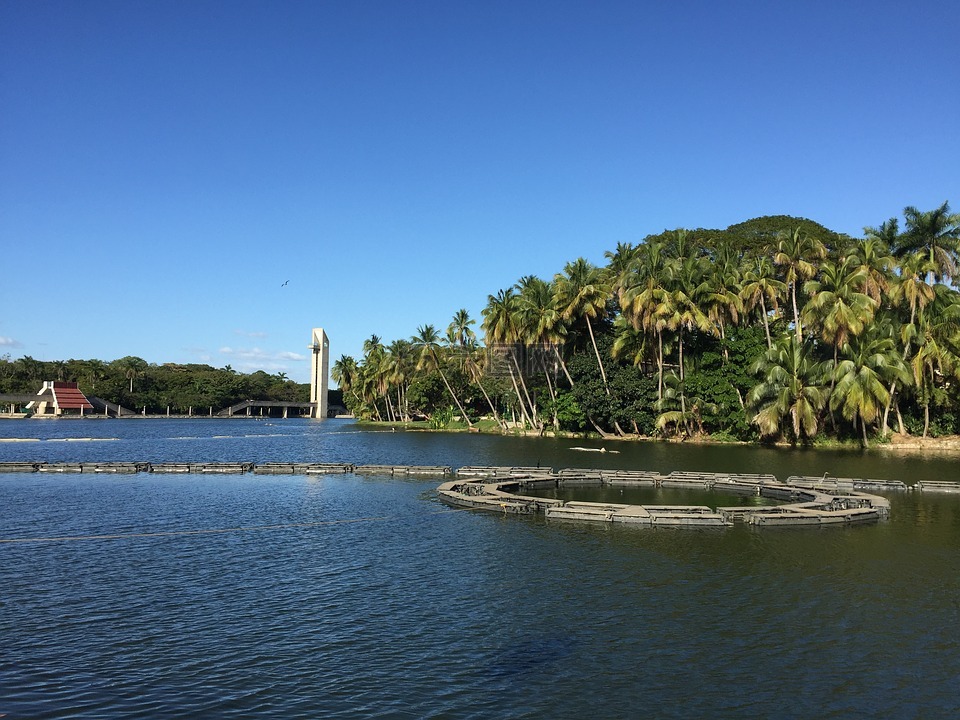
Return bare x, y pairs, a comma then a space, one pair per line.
659, 365
570, 380
593, 341
766, 322
463, 412
553, 397
516, 389
566, 372
533, 405
796, 314
493, 409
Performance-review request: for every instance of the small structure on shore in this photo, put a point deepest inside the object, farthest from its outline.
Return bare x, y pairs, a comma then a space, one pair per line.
57, 398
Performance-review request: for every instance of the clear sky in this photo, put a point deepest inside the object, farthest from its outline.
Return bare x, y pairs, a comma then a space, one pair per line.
195, 181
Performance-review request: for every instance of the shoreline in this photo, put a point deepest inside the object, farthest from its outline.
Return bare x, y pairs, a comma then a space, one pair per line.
895, 443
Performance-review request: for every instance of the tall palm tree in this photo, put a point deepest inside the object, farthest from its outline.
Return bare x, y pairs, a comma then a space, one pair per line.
936, 234
582, 293
836, 308
399, 369
872, 257
936, 336
724, 305
503, 335
132, 367
427, 341
460, 328
760, 286
797, 252
620, 266
909, 290
869, 361
344, 373
646, 300
687, 292
791, 387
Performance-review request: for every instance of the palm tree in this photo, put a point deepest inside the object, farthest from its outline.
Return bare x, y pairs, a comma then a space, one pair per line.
936, 234
687, 290
344, 374
502, 336
724, 284
936, 335
540, 325
869, 361
797, 252
427, 341
132, 367
582, 293
400, 367
836, 308
760, 285
791, 387
620, 267
872, 258
460, 329
911, 290
646, 301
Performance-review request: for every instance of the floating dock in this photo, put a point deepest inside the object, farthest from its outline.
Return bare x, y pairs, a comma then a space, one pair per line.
501, 490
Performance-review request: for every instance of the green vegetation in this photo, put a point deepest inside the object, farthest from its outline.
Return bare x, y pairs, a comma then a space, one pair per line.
773, 329
134, 383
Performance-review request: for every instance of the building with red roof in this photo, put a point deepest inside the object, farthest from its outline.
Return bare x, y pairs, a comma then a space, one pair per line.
55, 397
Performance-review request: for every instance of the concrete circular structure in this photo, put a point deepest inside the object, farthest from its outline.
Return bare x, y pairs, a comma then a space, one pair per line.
807, 501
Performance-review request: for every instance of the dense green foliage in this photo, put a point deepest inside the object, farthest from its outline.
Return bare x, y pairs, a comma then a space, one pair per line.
775, 328
135, 384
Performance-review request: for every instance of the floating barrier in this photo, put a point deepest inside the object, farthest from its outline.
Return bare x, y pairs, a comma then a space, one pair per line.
805, 506
939, 486
846, 483
187, 468
433, 470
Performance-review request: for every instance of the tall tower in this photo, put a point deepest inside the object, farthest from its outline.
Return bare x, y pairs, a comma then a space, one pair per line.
319, 372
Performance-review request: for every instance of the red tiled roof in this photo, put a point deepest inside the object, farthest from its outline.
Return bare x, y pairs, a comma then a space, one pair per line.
69, 397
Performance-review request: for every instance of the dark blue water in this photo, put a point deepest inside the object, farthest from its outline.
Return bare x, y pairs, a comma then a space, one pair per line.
353, 597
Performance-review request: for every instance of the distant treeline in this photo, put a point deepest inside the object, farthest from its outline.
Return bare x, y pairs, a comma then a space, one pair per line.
134, 383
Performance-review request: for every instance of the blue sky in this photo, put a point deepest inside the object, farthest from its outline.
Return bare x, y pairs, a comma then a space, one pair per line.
392, 162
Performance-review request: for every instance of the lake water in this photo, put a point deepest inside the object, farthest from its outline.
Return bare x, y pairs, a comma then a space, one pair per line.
346, 596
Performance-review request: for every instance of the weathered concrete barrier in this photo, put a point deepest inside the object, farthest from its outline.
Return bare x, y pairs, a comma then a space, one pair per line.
806, 506
438, 470
321, 468
939, 486
118, 468
503, 472
60, 468
839, 483
20, 467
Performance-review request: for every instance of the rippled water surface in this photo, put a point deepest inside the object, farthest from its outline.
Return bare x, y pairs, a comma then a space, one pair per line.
344, 596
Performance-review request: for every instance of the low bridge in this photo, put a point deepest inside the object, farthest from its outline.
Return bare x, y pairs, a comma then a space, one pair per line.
270, 408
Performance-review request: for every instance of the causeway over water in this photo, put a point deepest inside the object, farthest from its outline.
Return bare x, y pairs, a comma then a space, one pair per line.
244, 594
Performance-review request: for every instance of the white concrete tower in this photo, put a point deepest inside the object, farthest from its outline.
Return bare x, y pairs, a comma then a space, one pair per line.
319, 373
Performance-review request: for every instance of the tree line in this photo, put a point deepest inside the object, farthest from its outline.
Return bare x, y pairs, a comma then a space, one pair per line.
134, 383
775, 328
